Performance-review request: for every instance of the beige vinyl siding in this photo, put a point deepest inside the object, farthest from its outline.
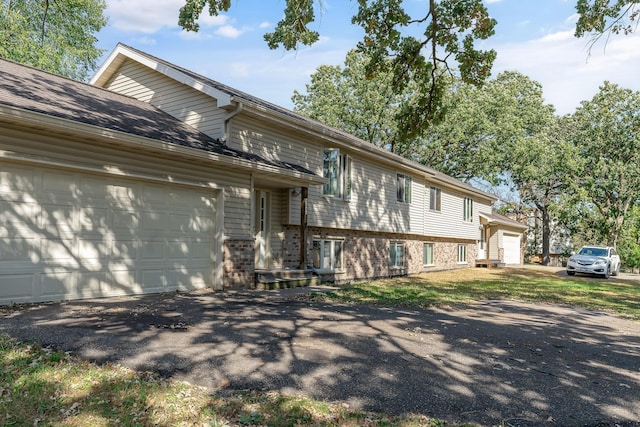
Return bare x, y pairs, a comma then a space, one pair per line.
449, 221
373, 205
113, 159
419, 205
187, 104
256, 136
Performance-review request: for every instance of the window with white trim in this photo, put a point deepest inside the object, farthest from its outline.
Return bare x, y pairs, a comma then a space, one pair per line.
434, 198
462, 254
403, 188
337, 169
427, 254
326, 254
468, 210
396, 255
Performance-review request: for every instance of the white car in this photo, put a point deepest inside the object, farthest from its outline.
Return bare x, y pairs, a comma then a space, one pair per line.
600, 260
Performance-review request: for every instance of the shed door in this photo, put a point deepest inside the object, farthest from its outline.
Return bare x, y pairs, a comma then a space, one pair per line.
67, 235
511, 244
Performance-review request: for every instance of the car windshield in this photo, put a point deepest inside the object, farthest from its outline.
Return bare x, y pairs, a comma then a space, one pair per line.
593, 251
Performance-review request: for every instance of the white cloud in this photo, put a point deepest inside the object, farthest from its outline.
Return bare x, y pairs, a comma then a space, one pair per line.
229, 31
145, 40
143, 16
151, 16
207, 20
560, 36
567, 71
191, 35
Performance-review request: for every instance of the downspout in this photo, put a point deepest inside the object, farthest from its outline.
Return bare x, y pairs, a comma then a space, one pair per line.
227, 120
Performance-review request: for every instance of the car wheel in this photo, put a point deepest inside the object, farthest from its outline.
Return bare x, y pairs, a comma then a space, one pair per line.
571, 273
606, 272
616, 271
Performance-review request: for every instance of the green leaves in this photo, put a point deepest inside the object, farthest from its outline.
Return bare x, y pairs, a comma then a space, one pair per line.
192, 9
293, 28
415, 52
598, 16
608, 143
342, 97
56, 36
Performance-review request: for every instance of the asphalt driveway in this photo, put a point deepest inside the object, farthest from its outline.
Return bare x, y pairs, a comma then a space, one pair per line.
493, 362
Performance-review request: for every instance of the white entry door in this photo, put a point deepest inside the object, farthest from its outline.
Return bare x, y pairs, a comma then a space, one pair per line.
262, 228
482, 251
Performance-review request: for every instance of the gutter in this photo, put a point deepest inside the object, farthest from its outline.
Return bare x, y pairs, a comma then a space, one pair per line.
36, 121
227, 120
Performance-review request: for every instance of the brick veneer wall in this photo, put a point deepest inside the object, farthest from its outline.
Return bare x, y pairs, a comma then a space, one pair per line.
238, 262
366, 254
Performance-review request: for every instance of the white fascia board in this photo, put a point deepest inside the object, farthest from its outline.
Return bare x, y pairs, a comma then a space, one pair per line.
104, 73
492, 220
33, 121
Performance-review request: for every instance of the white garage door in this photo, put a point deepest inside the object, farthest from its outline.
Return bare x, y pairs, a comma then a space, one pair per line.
66, 235
511, 244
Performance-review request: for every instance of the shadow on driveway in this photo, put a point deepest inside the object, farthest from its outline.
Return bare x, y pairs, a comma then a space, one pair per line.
490, 363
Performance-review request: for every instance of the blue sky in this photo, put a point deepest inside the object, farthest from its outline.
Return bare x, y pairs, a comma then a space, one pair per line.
534, 37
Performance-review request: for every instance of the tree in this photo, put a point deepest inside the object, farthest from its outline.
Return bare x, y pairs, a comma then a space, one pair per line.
529, 141
607, 139
53, 35
629, 246
343, 98
413, 50
541, 170
598, 17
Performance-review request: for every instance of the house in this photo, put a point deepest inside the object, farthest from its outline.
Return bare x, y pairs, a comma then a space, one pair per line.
152, 178
503, 237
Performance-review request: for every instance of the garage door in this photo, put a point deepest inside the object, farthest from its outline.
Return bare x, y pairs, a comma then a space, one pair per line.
67, 235
511, 244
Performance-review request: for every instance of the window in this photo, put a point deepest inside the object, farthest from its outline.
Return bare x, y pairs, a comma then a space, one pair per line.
468, 210
462, 254
434, 198
403, 188
337, 168
396, 255
427, 254
327, 254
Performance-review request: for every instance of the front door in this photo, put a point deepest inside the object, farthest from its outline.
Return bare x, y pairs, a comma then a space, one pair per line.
261, 221
482, 251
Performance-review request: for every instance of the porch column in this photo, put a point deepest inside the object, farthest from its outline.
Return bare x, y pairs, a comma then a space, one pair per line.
303, 227
485, 229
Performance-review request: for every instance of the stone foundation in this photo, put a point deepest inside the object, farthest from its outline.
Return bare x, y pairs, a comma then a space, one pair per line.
238, 262
366, 254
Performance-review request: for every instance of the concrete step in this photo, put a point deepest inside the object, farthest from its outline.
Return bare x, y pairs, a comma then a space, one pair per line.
282, 279
489, 263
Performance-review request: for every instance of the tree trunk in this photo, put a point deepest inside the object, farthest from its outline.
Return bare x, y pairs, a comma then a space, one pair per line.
546, 234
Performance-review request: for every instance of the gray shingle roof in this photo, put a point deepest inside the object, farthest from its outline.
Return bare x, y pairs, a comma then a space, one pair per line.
38, 91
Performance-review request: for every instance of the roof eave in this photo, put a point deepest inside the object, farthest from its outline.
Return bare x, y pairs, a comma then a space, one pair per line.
117, 56
61, 126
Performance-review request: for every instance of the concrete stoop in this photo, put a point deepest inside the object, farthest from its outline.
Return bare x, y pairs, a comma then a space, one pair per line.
283, 279
489, 263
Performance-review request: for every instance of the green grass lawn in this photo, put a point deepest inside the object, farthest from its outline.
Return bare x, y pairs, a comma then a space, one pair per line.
39, 387
618, 296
